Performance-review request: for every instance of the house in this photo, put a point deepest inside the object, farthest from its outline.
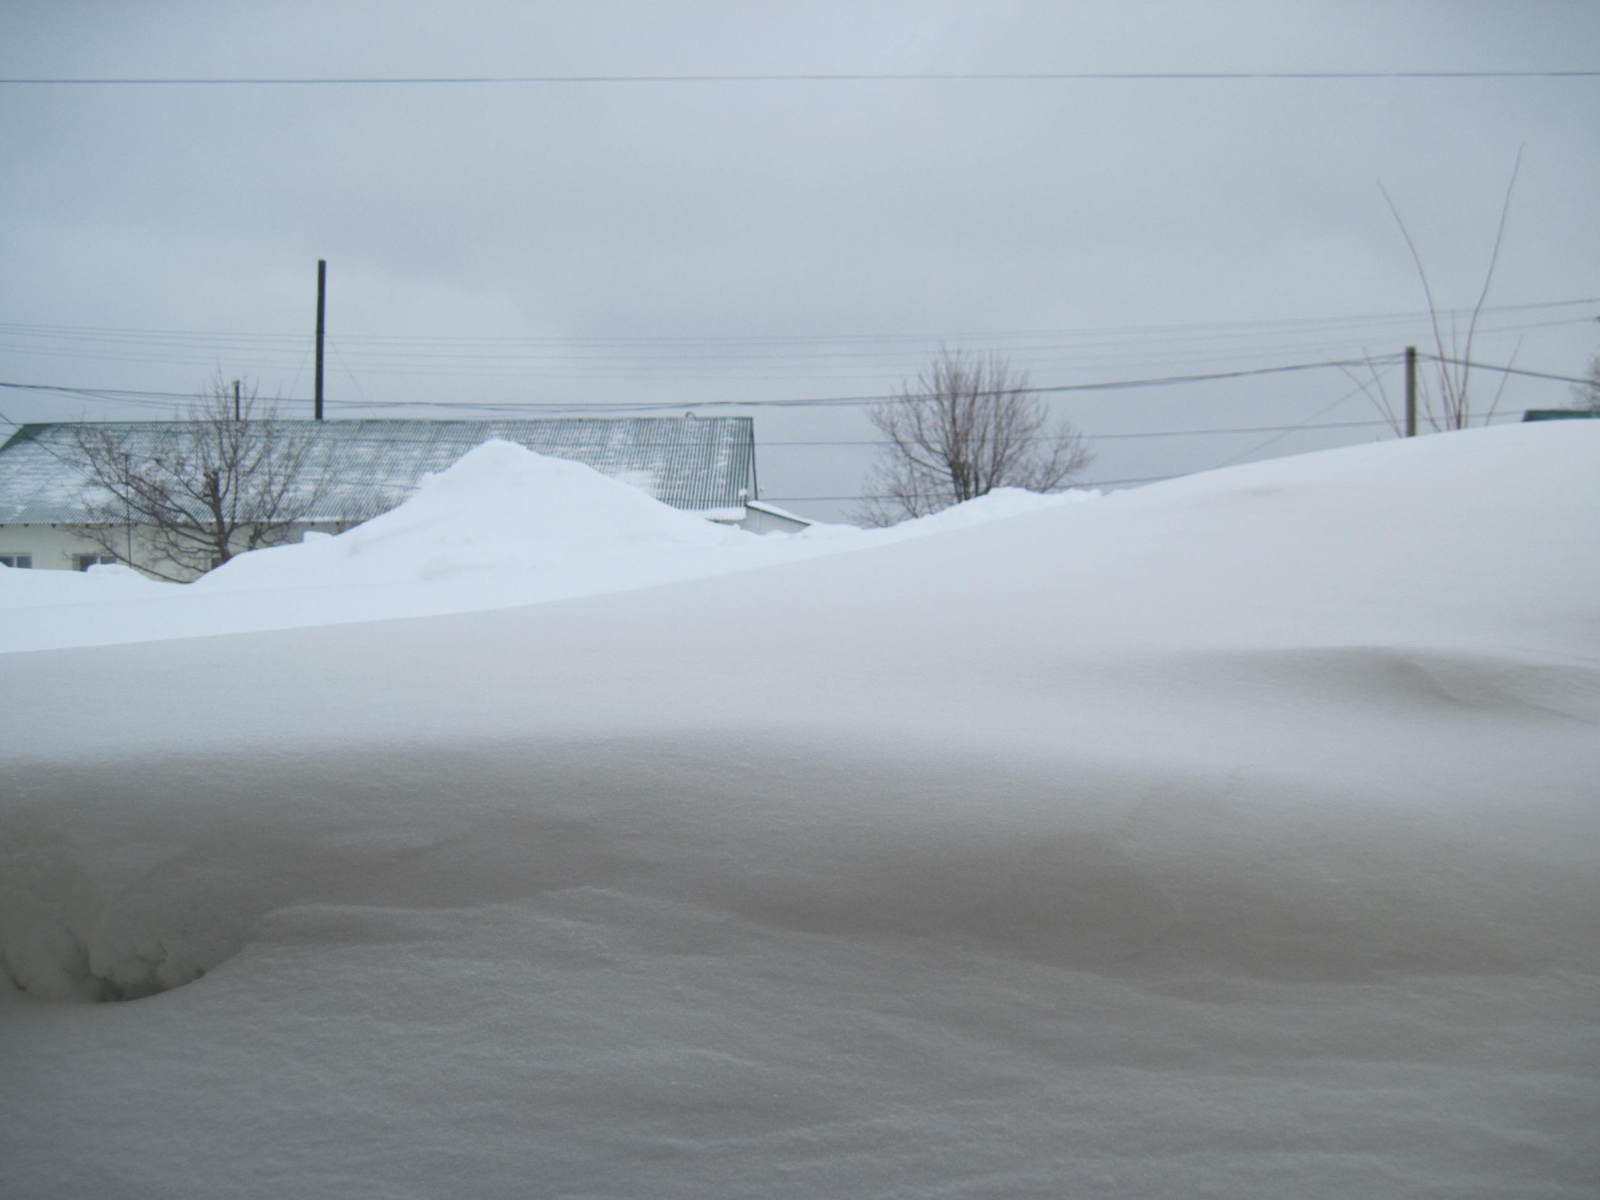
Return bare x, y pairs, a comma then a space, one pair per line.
703, 465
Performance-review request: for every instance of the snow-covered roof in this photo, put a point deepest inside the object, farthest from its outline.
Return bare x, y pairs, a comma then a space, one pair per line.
775, 511
691, 463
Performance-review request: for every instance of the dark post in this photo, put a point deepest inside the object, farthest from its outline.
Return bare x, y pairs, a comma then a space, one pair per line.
322, 309
236, 400
1410, 391
127, 508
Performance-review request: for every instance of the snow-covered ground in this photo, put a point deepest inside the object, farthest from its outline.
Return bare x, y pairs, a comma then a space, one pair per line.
1232, 837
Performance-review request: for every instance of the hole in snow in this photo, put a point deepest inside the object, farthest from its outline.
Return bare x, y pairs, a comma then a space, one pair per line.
47, 959
63, 937
57, 965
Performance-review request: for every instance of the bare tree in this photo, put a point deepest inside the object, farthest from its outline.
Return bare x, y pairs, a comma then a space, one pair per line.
964, 428
176, 499
1587, 394
1448, 404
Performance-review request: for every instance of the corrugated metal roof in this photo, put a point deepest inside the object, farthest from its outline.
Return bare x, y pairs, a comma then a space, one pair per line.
697, 464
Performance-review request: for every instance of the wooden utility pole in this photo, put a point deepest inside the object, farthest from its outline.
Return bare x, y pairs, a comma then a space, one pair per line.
1410, 391
322, 310
236, 400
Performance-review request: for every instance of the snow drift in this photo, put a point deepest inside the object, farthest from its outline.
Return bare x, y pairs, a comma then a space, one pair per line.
504, 526
1235, 836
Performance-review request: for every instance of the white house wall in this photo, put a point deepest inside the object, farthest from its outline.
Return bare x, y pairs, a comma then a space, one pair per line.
52, 547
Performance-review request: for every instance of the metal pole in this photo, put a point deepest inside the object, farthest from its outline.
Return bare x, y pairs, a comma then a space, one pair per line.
322, 309
1410, 391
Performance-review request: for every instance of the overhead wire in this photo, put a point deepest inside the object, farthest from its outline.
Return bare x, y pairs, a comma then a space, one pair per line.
859, 358
802, 402
1088, 483
832, 401
1279, 435
1505, 370
1162, 332
156, 399
783, 77
700, 360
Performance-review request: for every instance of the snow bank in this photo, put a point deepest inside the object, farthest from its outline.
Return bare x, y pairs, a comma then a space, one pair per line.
503, 526
102, 584
995, 506
1235, 836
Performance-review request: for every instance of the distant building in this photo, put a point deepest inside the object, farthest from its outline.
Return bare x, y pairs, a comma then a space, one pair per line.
1559, 414
701, 465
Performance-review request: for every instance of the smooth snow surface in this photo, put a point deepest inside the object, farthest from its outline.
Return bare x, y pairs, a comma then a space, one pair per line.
1233, 837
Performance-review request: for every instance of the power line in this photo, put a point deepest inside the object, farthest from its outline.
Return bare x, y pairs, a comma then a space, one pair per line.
802, 402
554, 362
161, 398
1088, 483
885, 397
868, 365
1154, 433
116, 394
809, 77
829, 402
1504, 370
152, 399
865, 359
1166, 331
1279, 435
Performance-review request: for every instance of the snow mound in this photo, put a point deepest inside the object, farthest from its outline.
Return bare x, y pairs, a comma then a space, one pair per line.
502, 526
102, 584
998, 505
500, 507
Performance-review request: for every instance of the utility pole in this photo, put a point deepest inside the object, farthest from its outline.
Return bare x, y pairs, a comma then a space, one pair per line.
127, 509
236, 400
322, 309
1410, 389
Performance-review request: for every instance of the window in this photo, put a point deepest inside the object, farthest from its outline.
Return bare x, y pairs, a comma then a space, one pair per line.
16, 560
82, 562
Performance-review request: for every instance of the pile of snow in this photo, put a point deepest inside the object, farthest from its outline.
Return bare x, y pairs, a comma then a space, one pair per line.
501, 507
504, 526
1236, 836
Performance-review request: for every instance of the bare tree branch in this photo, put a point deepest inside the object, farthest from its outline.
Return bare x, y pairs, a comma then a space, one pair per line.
1374, 391
1587, 394
1488, 279
1454, 405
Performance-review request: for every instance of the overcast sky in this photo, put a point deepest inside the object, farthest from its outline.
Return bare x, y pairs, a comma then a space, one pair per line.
699, 243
